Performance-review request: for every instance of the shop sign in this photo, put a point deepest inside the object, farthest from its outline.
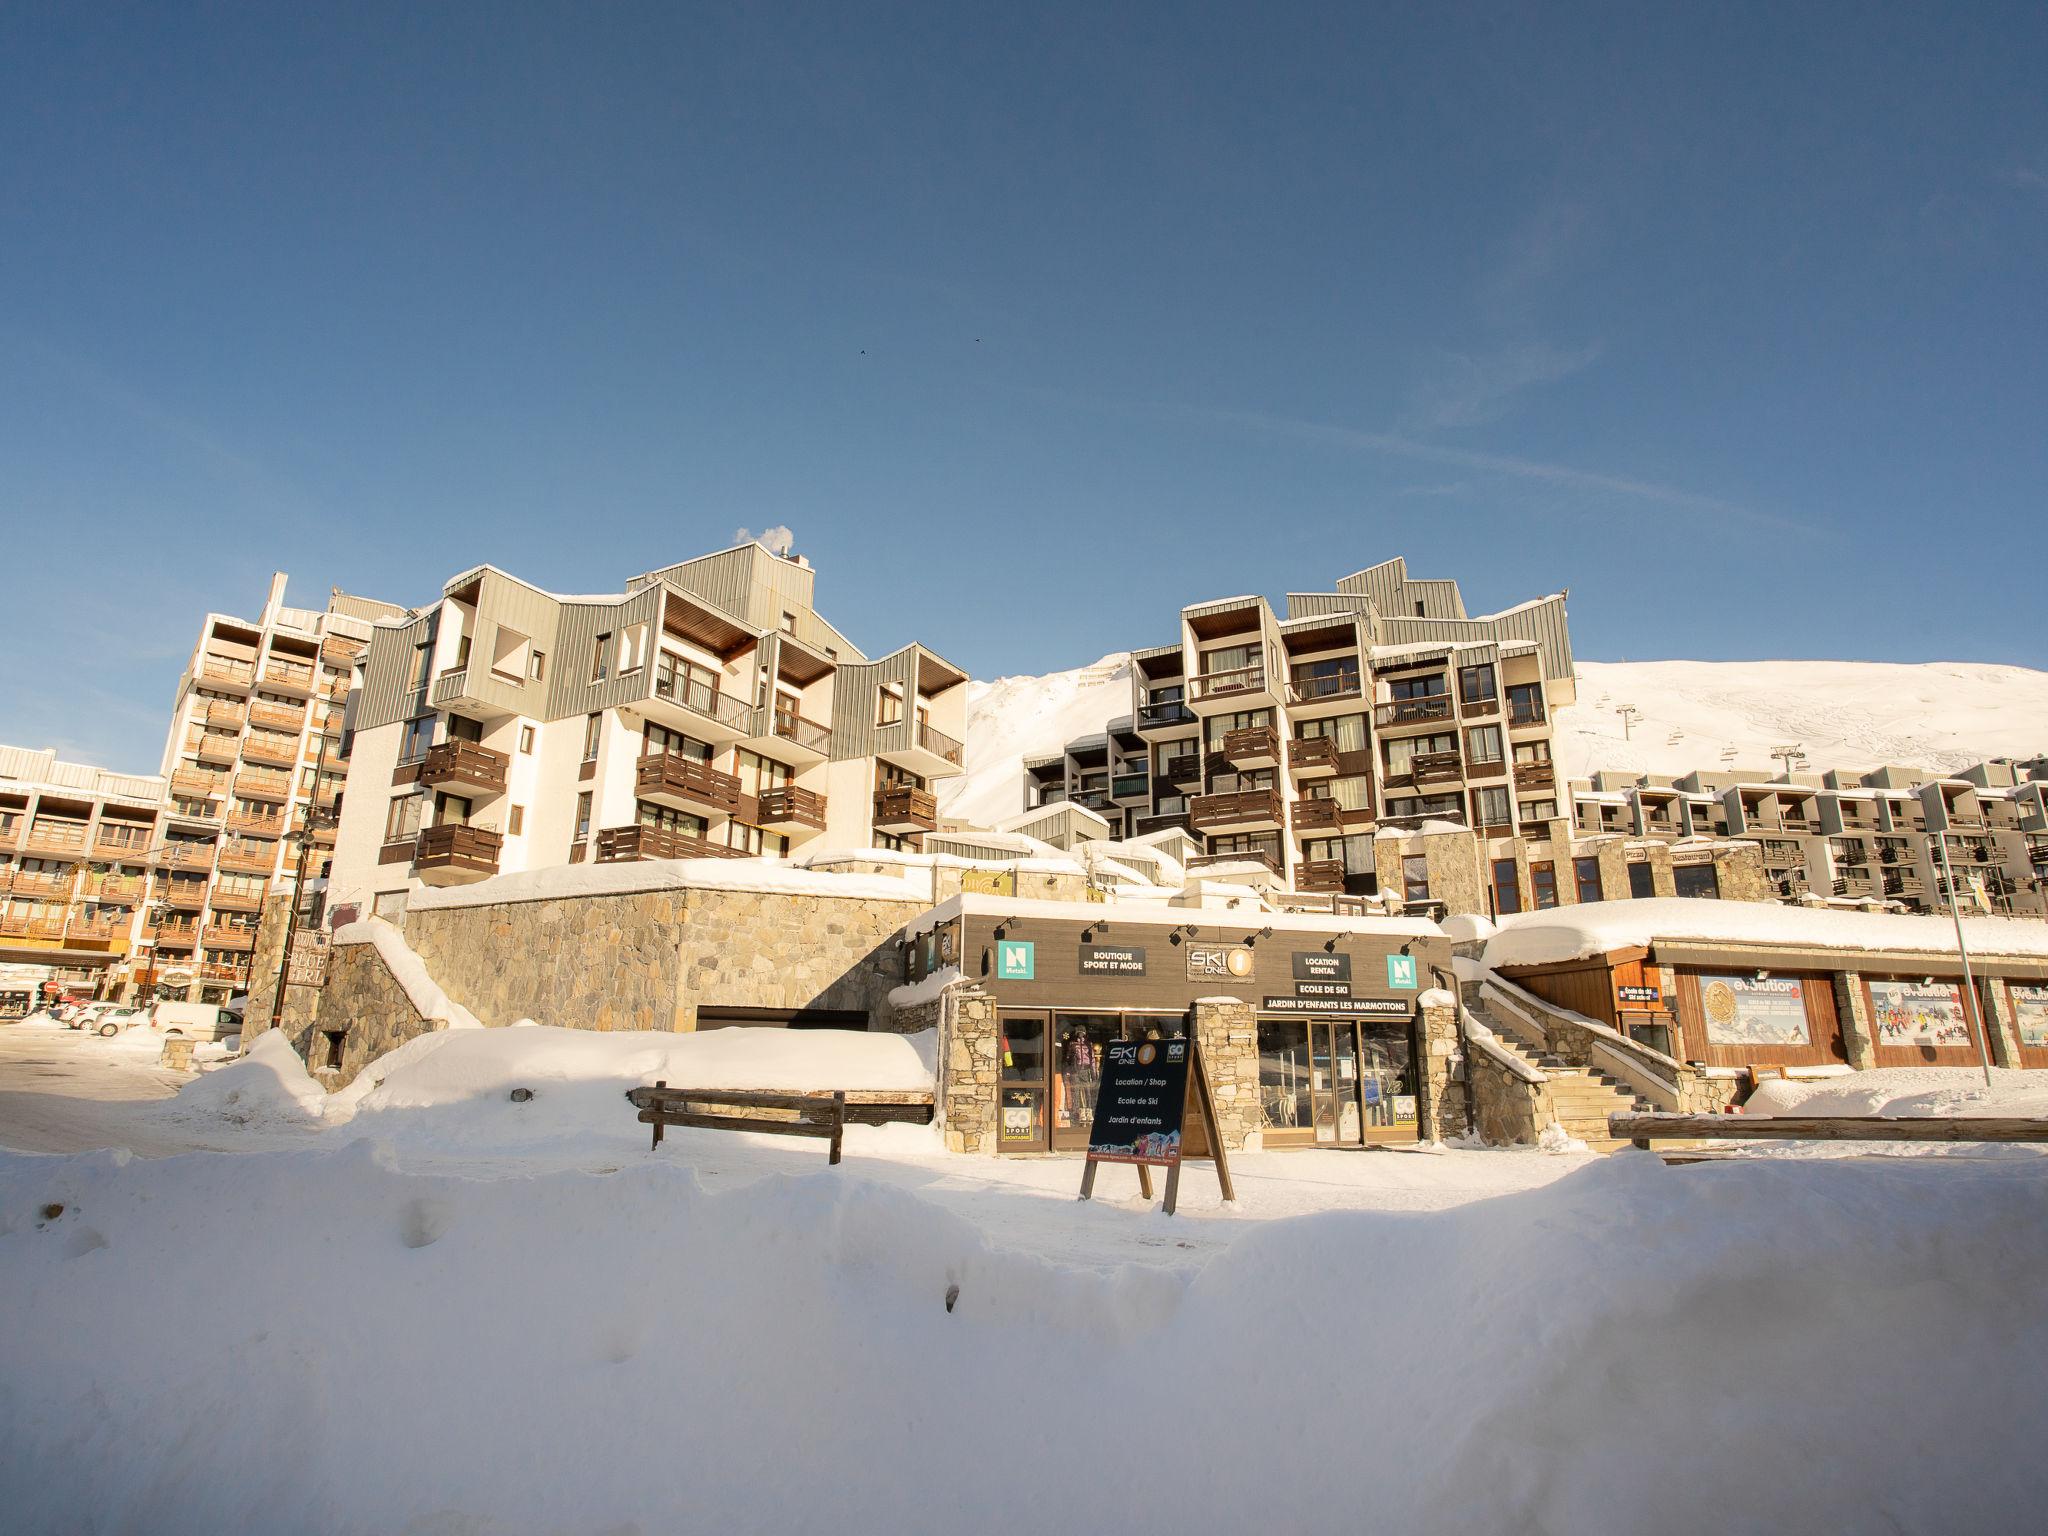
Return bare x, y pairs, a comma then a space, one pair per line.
1639, 994
1140, 1103
1020, 1115
1320, 965
1016, 960
1218, 962
2030, 1015
1112, 960
991, 882
1347, 1007
1910, 1013
1740, 1010
1401, 972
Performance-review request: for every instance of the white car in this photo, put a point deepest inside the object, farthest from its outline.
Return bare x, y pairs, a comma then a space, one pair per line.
109, 1019
199, 1021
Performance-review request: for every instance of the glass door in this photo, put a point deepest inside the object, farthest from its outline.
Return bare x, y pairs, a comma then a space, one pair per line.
1079, 1040
1021, 1087
1387, 1079
1334, 1084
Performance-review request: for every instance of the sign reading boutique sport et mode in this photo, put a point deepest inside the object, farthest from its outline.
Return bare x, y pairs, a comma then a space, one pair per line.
1112, 960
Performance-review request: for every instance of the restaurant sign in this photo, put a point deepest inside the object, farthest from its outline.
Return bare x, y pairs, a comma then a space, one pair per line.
1112, 960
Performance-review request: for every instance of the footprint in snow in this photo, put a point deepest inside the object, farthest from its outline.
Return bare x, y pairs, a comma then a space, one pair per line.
424, 1221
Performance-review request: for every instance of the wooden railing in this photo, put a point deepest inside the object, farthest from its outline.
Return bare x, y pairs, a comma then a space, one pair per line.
808, 734
1161, 821
169, 935
1436, 767
1243, 856
455, 844
793, 803
229, 715
219, 669
1312, 753
123, 889
229, 898
938, 743
1436, 706
1455, 815
1245, 808
1178, 770
280, 673
1538, 776
1172, 712
465, 762
217, 747
616, 845
900, 805
227, 936
1253, 744
281, 717
1216, 685
122, 840
186, 895
56, 836
1478, 705
248, 858
44, 884
263, 784
258, 749
1319, 875
197, 783
703, 696
671, 775
1310, 687
185, 855
1317, 815
251, 824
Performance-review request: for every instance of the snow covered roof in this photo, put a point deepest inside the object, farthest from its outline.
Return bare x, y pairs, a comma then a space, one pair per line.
1579, 932
981, 904
668, 875
1046, 812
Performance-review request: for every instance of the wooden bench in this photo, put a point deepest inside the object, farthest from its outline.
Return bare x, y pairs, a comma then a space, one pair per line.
1642, 1129
822, 1115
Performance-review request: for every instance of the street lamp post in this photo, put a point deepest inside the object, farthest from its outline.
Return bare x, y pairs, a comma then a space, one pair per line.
291, 916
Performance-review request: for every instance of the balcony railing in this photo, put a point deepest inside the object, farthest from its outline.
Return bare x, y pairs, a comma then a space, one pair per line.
671, 777
1172, 712
1317, 815
1253, 746
197, 783
220, 669
185, 854
620, 845
901, 808
123, 890
217, 747
1161, 821
32, 883
248, 858
457, 848
1179, 770
262, 784
1436, 767
341, 652
1312, 754
1319, 875
1264, 856
279, 717
938, 743
97, 929
175, 935
278, 673
260, 749
185, 895
1311, 687
467, 763
1476, 706
1129, 786
227, 715
121, 841
1216, 685
227, 898
251, 824
808, 734
1247, 808
1435, 706
1535, 776
56, 837
221, 936
1523, 710
792, 803
703, 697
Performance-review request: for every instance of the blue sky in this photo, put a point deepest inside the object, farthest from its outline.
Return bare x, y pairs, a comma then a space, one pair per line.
1031, 323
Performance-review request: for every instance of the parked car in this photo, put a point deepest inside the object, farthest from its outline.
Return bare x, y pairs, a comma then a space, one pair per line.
111, 1018
197, 1021
84, 1015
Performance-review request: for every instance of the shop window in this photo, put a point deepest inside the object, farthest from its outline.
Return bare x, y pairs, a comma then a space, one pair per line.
1696, 880
1507, 891
1586, 875
1543, 885
1641, 885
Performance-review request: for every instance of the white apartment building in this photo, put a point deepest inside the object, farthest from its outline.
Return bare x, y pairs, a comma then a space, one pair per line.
705, 711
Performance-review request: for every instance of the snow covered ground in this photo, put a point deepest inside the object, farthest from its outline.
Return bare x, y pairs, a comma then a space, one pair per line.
427, 1308
1693, 714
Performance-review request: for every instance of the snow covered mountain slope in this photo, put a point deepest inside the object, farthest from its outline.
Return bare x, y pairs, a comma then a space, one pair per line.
1843, 714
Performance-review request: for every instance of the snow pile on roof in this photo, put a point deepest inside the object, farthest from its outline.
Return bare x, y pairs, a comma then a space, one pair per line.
1014, 718
1467, 928
1908, 1091
409, 971
466, 1339
267, 1085
1572, 933
672, 875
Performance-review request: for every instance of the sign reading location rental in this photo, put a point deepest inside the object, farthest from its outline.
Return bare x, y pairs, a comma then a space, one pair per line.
1140, 1103
1318, 965
1112, 960
1016, 960
1401, 972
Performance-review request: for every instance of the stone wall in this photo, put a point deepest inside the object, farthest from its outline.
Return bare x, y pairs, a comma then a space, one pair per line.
653, 959
967, 1097
1440, 1105
1740, 871
1859, 1040
301, 1004
1227, 1031
1508, 1110
945, 880
364, 1004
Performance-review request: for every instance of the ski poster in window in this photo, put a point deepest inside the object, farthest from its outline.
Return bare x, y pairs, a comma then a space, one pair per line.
1913, 1013
1740, 1010
2030, 1015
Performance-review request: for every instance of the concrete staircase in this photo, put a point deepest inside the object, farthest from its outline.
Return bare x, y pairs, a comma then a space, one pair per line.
1582, 1096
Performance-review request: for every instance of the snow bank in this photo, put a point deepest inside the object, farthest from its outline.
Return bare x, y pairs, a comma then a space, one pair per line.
267, 1085
409, 971
1907, 1091
1572, 933
576, 1352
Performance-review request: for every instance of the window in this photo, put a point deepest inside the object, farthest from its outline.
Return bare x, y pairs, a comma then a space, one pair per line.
1641, 885
1529, 752
1432, 687
1353, 793
1539, 810
1507, 891
537, 669
515, 820
889, 706
593, 732
658, 740
583, 816
526, 740
1696, 880
789, 623
461, 653
1586, 875
1525, 704
1403, 750
1543, 885
1475, 684
508, 655
419, 735
420, 655
1348, 731
1482, 745
599, 654
668, 819
633, 648
1490, 807
461, 728
402, 818
1415, 877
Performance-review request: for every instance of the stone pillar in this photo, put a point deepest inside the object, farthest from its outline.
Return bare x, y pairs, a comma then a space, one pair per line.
1227, 1030
1455, 875
1613, 855
1739, 873
1661, 880
967, 1087
1440, 1106
263, 963
1858, 1038
2003, 1034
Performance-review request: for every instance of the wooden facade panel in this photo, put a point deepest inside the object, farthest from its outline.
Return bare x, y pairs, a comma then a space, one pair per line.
1825, 1045
1587, 989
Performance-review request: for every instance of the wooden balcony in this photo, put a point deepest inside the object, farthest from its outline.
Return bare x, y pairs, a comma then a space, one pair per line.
122, 840
1253, 747
1397, 713
186, 854
1182, 770
16, 925
183, 895
1261, 856
253, 824
1168, 718
227, 898
44, 884
1524, 711
223, 936
59, 837
197, 783
339, 650
333, 689
280, 753
226, 714
1478, 706
806, 740
1159, 823
117, 890
1312, 688
465, 764
900, 808
1536, 776
1129, 786
792, 805
668, 778
170, 935
222, 672
277, 717
694, 703
1437, 767
1319, 875
1317, 816
939, 744
622, 845
1232, 684
283, 676
248, 858
1252, 810
455, 853
263, 784
1312, 757
103, 928
232, 972
218, 747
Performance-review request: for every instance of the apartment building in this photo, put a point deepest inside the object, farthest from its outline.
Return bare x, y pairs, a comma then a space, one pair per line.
1866, 838
75, 865
705, 711
1375, 740
252, 772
